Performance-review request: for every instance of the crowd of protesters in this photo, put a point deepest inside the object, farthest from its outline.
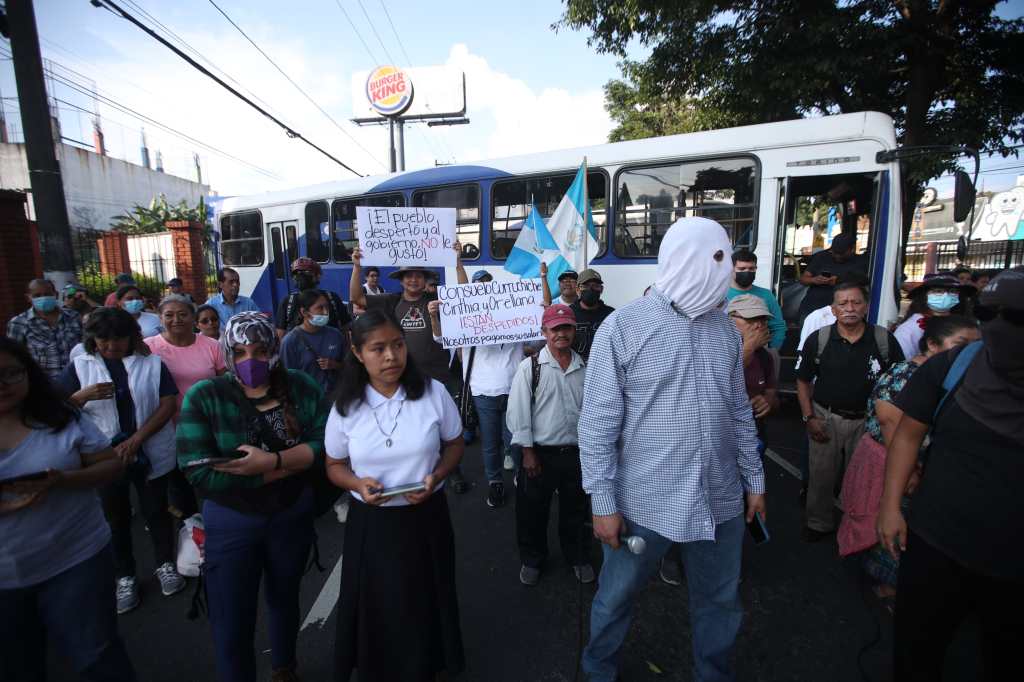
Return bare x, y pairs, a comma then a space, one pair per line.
262, 424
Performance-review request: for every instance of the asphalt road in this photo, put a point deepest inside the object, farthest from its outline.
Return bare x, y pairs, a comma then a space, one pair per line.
807, 614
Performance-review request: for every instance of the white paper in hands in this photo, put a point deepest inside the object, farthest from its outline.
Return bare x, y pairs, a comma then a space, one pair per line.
406, 236
489, 313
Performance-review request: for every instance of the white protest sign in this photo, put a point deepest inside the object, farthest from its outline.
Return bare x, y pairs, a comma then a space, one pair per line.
489, 313
406, 236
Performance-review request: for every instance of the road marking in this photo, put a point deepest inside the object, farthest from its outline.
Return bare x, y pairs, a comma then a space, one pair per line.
325, 601
784, 463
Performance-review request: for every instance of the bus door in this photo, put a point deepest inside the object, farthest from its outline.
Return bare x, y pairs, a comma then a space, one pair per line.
283, 250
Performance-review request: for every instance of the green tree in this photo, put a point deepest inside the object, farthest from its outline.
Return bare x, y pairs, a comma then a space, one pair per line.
948, 72
150, 219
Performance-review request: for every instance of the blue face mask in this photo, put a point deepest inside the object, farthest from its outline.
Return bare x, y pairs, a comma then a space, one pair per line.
942, 302
319, 320
45, 304
134, 306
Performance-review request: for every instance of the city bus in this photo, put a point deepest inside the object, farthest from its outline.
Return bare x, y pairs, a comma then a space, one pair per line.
783, 190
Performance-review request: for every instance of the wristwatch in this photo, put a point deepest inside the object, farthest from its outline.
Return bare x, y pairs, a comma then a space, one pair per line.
808, 418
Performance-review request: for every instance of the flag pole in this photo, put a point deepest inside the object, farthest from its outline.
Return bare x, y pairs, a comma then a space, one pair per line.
586, 212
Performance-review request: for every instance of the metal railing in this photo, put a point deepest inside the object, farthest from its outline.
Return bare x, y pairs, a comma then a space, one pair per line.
980, 256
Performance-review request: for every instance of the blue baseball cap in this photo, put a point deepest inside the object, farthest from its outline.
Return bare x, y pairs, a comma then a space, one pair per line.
482, 276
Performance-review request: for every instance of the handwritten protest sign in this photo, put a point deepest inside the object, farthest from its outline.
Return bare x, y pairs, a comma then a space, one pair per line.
489, 313
406, 236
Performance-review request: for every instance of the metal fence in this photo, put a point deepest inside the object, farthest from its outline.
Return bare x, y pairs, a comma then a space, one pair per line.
980, 256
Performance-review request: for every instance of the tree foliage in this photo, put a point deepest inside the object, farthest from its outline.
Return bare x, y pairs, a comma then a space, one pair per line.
151, 219
948, 72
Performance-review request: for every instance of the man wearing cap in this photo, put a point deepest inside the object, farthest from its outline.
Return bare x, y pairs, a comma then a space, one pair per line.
122, 279
752, 317
835, 374
824, 268
77, 298
543, 416
488, 372
306, 275
744, 270
567, 292
590, 311
176, 287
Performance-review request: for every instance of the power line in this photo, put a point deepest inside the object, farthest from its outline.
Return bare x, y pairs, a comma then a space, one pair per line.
288, 130
374, 29
356, 31
393, 30
289, 79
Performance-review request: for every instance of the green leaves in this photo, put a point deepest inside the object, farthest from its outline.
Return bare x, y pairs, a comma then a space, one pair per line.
149, 219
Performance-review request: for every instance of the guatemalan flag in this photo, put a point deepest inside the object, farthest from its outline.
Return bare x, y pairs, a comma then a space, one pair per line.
534, 246
572, 225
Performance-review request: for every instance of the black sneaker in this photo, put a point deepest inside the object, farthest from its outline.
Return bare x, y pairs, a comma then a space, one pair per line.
496, 494
458, 482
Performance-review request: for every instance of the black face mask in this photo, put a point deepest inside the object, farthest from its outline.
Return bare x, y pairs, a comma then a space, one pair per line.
745, 279
303, 280
590, 297
1002, 343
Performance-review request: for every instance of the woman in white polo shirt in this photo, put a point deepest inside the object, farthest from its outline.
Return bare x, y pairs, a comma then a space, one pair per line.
398, 615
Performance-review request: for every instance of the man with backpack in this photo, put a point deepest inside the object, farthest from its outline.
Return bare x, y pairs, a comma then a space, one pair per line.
306, 274
543, 416
838, 367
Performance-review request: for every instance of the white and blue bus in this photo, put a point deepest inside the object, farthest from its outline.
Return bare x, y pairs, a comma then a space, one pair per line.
782, 190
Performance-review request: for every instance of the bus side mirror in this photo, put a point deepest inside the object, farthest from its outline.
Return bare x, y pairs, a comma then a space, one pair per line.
963, 197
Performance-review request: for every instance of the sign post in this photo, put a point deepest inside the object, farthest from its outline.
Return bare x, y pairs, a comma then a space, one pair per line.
489, 313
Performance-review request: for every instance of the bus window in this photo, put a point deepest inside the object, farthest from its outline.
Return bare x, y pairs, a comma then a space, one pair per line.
242, 239
275, 244
466, 200
650, 199
318, 233
510, 202
345, 224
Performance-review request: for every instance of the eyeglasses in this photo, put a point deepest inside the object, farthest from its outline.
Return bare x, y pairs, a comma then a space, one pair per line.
12, 375
1014, 316
208, 320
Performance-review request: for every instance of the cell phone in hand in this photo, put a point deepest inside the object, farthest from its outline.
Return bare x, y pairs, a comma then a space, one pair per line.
208, 461
826, 273
758, 531
403, 489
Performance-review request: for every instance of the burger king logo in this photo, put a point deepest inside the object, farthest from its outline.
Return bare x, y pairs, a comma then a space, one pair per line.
389, 90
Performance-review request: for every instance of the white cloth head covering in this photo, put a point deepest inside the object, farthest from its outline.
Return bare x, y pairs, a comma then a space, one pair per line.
689, 274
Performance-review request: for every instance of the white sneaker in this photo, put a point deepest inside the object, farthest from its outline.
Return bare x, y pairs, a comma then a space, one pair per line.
171, 581
509, 464
341, 508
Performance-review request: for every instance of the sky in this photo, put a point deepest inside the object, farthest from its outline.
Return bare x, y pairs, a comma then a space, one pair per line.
529, 87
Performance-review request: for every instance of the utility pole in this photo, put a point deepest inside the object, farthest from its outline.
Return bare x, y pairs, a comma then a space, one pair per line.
43, 169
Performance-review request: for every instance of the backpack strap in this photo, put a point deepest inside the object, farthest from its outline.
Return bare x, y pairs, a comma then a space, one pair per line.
534, 378
824, 334
289, 308
955, 375
882, 342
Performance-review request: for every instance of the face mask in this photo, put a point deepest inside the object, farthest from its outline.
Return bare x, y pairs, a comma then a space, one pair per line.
303, 280
942, 302
253, 372
744, 279
45, 304
1002, 344
134, 306
590, 297
319, 320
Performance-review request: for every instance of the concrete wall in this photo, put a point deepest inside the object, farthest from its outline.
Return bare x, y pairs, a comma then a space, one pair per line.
96, 188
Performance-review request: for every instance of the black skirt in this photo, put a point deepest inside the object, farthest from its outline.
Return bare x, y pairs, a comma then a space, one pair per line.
398, 613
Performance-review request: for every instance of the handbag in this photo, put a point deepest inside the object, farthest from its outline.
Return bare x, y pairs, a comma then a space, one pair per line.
467, 410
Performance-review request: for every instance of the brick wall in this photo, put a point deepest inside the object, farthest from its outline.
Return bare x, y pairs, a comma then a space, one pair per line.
189, 257
20, 261
113, 249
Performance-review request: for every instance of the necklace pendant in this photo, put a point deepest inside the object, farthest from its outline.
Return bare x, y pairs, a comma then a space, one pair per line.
387, 442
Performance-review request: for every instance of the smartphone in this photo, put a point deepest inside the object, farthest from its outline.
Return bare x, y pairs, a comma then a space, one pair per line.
758, 531
208, 461
36, 476
400, 489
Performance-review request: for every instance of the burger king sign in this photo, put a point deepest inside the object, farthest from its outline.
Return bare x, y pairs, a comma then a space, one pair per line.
389, 90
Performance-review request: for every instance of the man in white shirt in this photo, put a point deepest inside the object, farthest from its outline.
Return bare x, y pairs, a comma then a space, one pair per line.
543, 416
568, 291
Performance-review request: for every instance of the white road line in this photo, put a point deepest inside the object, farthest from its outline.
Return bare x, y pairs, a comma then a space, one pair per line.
325, 601
784, 463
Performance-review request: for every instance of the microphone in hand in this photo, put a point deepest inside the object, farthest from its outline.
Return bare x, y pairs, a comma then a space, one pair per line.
634, 543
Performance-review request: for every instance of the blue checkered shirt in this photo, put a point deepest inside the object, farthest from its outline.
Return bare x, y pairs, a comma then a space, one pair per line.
49, 346
666, 432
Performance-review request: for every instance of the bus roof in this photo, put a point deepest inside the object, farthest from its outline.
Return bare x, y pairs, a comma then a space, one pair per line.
869, 124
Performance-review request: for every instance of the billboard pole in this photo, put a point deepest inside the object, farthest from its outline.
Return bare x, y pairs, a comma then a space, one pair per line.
401, 143
391, 144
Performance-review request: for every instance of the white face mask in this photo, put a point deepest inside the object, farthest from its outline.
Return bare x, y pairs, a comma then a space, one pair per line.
695, 265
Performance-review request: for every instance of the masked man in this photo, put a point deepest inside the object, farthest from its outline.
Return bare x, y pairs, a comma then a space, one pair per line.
306, 275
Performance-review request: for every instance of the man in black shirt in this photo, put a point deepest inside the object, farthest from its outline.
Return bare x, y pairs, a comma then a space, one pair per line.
962, 553
838, 368
823, 271
590, 311
306, 275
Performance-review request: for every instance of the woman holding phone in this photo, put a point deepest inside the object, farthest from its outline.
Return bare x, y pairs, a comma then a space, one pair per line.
247, 441
131, 396
57, 567
391, 428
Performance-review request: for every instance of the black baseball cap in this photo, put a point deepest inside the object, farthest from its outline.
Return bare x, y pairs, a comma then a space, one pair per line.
568, 274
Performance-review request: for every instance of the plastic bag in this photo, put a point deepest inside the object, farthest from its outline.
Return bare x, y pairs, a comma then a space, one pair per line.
191, 539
